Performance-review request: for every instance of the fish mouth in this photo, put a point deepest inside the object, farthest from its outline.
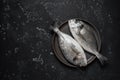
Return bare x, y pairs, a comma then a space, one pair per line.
83, 64
80, 61
72, 21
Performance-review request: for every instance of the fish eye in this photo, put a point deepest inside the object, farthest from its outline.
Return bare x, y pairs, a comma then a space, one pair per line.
81, 26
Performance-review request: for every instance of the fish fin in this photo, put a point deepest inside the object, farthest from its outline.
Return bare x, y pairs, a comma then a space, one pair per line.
81, 27
101, 58
81, 36
80, 32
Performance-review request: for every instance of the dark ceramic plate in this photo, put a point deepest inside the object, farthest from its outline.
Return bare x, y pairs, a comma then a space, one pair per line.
55, 45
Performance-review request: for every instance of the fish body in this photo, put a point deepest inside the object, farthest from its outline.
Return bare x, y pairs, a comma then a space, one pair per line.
84, 35
70, 48
89, 35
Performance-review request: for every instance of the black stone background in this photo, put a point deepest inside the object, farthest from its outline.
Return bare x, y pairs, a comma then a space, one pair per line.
25, 38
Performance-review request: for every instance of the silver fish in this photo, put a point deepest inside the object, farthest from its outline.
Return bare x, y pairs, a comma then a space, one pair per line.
84, 35
71, 49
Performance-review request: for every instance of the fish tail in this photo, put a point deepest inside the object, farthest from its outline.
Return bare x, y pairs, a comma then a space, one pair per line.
54, 27
101, 58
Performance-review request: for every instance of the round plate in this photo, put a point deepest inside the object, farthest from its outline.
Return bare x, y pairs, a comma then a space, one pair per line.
55, 44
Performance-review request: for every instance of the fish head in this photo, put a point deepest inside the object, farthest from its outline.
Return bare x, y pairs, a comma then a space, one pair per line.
74, 24
72, 21
81, 25
80, 61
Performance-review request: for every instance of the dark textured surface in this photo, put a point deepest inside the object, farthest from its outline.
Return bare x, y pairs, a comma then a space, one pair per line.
25, 38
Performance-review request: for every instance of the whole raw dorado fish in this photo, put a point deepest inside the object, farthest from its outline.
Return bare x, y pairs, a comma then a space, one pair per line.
84, 35
71, 49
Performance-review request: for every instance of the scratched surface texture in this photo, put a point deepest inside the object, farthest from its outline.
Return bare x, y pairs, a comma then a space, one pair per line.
25, 39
